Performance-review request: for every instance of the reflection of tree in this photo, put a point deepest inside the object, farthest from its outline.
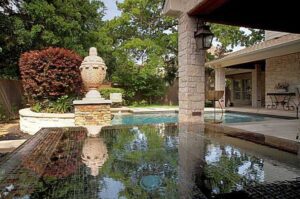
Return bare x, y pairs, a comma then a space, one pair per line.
52, 169
231, 170
130, 164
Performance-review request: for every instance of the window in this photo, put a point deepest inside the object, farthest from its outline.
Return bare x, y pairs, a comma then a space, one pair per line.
242, 89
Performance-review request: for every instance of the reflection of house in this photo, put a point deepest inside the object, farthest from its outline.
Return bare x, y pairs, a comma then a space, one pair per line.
254, 71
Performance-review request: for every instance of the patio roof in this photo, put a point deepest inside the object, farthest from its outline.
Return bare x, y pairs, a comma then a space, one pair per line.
286, 44
267, 15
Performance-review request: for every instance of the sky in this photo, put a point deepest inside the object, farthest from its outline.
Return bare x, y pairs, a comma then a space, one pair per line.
111, 9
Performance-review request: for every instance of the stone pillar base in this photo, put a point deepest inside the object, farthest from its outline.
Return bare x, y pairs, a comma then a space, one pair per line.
92, 114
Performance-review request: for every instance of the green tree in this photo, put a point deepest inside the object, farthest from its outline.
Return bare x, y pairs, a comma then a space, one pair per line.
145, 49
233, 36
36, 24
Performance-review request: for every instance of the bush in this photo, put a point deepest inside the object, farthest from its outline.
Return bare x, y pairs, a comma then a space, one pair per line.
63, 104
105, 92
50, 74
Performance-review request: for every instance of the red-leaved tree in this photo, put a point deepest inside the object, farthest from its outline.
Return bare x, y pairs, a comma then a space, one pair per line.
50, 73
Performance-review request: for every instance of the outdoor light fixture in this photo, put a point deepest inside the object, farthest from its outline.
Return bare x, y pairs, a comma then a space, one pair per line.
203, 36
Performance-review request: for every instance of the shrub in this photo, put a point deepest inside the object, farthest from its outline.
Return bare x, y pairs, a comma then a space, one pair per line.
63, 104
50, 74
105, 92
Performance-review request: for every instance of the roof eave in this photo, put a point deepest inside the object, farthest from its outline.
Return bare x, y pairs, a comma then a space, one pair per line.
260, 54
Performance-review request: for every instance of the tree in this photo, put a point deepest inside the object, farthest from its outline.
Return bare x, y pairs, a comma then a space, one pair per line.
50, 74
233, 36
145, 49
37, 24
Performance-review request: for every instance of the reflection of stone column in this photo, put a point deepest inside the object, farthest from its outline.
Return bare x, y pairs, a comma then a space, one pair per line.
94, 154
191, 157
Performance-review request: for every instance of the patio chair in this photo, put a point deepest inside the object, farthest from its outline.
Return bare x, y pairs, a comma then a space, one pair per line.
215, 96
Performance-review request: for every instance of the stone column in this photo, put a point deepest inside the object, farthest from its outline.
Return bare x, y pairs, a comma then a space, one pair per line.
256, 87
191, 73
220, 85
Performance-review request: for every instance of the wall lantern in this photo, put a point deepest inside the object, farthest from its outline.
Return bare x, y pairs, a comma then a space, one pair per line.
203, 36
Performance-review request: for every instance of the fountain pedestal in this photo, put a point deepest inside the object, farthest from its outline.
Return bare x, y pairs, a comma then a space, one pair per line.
92, 112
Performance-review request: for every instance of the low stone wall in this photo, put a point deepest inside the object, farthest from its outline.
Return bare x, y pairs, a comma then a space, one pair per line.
31, 122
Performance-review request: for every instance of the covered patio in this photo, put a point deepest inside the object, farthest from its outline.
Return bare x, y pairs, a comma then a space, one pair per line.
230, 12
253, 73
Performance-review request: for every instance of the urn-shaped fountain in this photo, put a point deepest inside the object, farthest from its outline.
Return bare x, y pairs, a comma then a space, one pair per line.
93, 70
92, 112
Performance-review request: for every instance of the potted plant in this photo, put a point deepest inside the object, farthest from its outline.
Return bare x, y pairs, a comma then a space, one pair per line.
282, 87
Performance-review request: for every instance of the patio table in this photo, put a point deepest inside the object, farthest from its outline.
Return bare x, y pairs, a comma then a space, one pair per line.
284, 100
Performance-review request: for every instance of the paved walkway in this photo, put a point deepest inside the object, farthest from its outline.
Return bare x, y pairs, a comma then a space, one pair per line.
6, 127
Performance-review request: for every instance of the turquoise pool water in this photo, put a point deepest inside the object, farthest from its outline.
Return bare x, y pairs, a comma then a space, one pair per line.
138, 119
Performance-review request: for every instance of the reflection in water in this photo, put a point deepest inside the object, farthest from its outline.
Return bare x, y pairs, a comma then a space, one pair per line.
94, 154
161, 161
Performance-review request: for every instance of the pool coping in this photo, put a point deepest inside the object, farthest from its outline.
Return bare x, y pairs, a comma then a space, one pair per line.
11, 144
263, 115
283, 144
127, 110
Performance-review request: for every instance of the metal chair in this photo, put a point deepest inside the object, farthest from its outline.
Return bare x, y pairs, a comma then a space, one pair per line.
215, 96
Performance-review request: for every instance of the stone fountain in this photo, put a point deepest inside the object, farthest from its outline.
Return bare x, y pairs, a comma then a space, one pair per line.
93, 111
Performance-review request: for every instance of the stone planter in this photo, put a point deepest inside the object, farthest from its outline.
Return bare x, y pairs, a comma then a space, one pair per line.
31, 122
93, 70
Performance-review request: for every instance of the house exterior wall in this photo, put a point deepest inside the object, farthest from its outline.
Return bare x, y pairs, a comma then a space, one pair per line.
282, 69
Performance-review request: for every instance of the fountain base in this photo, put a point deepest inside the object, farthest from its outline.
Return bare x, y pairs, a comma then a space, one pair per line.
92, 112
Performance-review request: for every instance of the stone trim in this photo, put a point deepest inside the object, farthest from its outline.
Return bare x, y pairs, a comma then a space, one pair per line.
28, 113
31, 122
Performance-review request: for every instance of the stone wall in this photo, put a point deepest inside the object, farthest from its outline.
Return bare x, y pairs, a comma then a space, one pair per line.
281, 69
31, 122
93, 115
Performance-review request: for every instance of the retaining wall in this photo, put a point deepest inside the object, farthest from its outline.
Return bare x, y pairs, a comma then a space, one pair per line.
31, 122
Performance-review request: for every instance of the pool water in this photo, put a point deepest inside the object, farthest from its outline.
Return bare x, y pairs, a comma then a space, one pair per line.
227, 118
160, 161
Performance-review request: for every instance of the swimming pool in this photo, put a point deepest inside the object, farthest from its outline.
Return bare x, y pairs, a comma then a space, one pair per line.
227, 118
162, 161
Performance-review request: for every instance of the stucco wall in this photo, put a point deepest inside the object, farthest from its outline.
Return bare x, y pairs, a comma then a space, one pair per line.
31, 122
176, 7
281, 69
